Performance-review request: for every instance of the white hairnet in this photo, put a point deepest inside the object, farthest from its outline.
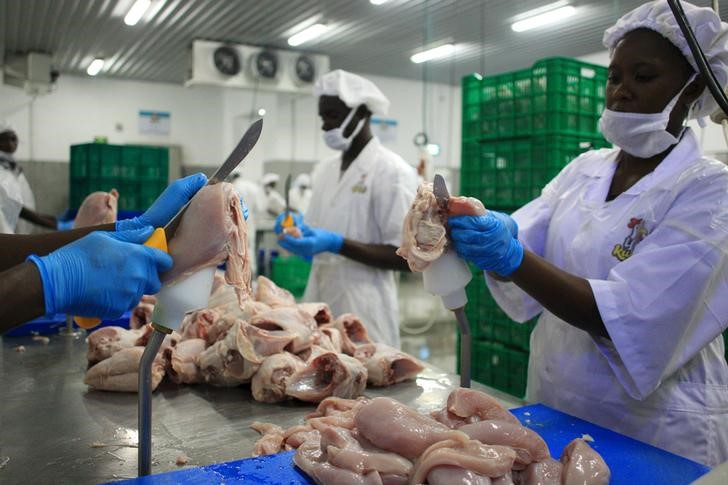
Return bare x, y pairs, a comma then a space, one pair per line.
302, 180
270, 178
5, 126
710, 32
353, 90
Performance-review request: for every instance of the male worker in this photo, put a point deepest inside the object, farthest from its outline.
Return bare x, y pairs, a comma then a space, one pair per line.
353, 225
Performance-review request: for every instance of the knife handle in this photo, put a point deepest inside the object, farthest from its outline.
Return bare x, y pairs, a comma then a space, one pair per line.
157, 240
288, 221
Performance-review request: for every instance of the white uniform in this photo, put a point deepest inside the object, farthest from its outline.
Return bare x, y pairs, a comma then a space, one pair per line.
15, 193
366, 204
300, 200
656, 260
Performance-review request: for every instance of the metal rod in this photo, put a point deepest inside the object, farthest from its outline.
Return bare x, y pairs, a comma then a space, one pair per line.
145, 402
464, 346
68, 330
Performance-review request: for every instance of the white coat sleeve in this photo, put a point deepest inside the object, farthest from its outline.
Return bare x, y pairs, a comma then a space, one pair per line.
667, 301
391, 203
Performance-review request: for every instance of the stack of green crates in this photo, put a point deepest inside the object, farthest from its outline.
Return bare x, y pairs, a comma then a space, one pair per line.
291, 273
139, 173
519, 130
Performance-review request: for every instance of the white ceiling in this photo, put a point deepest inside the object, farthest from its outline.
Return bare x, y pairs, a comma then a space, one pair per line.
363, 38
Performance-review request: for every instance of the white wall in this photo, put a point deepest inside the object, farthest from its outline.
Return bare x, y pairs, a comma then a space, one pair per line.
207, 121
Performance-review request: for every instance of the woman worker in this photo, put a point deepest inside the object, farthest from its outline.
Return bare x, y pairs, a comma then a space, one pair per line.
625, 253
101, 273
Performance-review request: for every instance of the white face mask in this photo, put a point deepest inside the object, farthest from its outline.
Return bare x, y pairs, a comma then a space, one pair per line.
642, 135
335, 138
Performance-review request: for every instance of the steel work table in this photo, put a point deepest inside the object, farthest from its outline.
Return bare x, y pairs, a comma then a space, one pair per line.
50, 422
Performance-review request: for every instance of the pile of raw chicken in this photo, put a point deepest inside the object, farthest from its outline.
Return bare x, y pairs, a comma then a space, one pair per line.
472, 440
261, 337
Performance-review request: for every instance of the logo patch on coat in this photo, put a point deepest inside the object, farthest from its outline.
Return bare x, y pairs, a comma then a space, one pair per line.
360, 186
637, 233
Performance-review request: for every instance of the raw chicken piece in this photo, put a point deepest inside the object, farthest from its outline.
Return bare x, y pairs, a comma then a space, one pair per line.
106, 341
255, 344
271, 441
319, 311
448, 474
269, 383
291, 320
208, 324
389, 366
469, 406
96, 209
222, 364
142, 313
221, 293
424, 237
331, 338
181, 361
298, 435
583, 465
547, 472
392, 426
211, 232
486, 460
336, 405
120, 372
328, 374
353, 332
527, 444
312, 460
271, 294
465, 206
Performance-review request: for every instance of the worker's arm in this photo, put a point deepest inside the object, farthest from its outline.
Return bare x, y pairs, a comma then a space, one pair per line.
381, 256
39, 219
21, 292
15, 248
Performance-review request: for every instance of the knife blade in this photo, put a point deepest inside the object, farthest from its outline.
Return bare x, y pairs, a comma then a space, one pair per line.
288, 219
439, 188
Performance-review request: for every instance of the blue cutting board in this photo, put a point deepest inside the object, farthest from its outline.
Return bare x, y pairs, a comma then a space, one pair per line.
630, 461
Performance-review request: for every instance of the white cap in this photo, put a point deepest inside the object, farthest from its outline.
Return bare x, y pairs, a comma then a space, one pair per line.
270, 178
302, 180
353, 90
5, 126
710, 32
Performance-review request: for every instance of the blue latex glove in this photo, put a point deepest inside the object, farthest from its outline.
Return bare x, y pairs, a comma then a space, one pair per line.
167, 204
509, 222
64, 225
297, 221
246, 212
312, 242
487, 241
102, 274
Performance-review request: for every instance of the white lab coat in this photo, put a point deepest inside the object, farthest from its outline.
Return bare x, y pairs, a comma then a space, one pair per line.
256, 201
656, 260
367, 204
15, 193
300, 200
276, 203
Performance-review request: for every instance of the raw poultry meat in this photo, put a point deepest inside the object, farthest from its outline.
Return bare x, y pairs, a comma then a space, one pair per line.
181, 361
392, 426
468, 406
208, 324
222, 364
106, 341
330, 338
319, 311
269, 383
336, 405
120, 372
527, 444
255, 344
312, 460
448, 474
328, 374
353, 332
387, 366
142, 313
271, 441
271, 294
292, 320
487, 460
546, 472
96, 209
212, 231
583, 465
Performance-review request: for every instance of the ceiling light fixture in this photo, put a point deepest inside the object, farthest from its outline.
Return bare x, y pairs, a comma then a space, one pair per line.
539, 17
307, 34
434, 53
136, 12
95, 67
378, 2
261, 112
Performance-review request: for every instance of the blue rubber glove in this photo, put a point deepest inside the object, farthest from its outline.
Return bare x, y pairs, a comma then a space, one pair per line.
507, 220
167, 204
487, 241
312, 242
102, 274
297, 221
246, 212
64, 225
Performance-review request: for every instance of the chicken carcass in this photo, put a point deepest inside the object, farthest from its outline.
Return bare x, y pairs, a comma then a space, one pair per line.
208, 324
583, 465
271, 440
212, 231
387, 366
271, 294
485, 460
96, 209
319, 311
142, 313
106, 341
222, 364
330, 338
527, 444
269, 383
292, 320
182, 361
120, 372
221, 293
353, 332
328, 374
468, 406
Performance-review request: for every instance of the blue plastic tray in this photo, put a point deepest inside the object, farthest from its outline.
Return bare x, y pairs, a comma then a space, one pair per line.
51, 325
630, 461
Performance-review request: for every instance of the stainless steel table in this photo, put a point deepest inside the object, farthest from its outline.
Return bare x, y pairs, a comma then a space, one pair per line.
52, 425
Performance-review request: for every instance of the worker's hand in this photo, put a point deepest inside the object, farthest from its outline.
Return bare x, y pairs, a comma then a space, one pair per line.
297, 221
487, 241
509, 222
312, 242
167, 204
102, 274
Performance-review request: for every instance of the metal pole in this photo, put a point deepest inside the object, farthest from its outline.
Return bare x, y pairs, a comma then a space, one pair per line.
464, 346
68, 330
145, 402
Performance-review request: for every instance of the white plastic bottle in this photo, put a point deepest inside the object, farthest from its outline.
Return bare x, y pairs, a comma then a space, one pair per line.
447, 277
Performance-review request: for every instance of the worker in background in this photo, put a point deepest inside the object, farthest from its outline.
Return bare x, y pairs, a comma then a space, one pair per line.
625, 253
300, 194
353, 225
257, 204
80, 272
16, 198
275, 202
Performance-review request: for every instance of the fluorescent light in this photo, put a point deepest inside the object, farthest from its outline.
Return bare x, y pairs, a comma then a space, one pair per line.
434, 53
261, 112
95, 67
136, 12
307, 34
433, 149
545, 18
378, 2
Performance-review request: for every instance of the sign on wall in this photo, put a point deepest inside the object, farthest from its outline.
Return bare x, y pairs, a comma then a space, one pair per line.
154, 122
385, 129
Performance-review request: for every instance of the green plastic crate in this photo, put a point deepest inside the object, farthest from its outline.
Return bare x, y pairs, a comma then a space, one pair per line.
291, 273
500, 367
145, 163
471, 106
147, 193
